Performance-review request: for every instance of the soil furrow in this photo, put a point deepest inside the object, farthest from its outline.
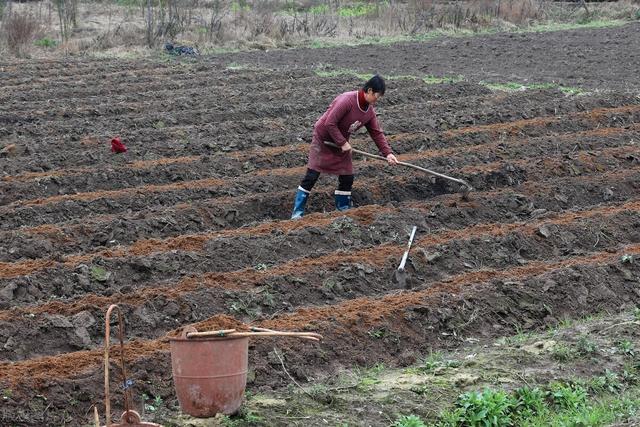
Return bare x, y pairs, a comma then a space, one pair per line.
167, 170
478, 248
412, 315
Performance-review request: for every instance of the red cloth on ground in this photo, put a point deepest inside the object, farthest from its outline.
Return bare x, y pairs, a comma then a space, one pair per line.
117, 146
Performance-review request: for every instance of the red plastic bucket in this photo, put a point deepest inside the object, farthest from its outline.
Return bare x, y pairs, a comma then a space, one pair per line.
209, 374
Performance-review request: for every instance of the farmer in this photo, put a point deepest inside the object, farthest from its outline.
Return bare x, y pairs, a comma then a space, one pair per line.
346, 114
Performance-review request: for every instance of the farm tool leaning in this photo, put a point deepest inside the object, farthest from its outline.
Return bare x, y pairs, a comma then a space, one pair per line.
129, 418
464, 188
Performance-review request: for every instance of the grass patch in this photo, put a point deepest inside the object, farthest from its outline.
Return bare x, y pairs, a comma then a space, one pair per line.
326, 71
358, 9
323, 72
46, 43
515, 87
560, 26
559, 404
462, 32
435, 80
237, 67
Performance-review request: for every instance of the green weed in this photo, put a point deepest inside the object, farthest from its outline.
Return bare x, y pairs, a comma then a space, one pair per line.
409, 421
562, 352
99, 274
436, 360
128, 3
487, 408
377, 333
626, 259
609, 382
261, 267
320, 9
153, 405
242, 418
529, 402
369, 377
46, 43
586, 347
514, 87
240, 6
235, 66
559, 26
435, 80
568, 396
341, 72
627, 348
359, 9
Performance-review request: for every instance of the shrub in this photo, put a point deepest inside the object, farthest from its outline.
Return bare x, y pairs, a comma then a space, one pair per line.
18, 31
46, 42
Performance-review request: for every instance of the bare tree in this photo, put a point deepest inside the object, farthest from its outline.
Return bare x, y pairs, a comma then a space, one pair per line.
67, 16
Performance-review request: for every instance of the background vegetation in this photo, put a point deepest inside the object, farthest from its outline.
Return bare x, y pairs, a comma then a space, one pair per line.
117, 27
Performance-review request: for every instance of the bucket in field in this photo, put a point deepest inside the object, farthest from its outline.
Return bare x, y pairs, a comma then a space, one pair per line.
209, 374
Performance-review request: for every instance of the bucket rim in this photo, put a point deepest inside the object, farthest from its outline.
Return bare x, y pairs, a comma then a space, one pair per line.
196, 339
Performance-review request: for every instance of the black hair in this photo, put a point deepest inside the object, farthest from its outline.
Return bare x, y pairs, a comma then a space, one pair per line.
375, 83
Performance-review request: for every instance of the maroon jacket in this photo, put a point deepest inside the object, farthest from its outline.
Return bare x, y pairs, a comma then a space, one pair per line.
343, 117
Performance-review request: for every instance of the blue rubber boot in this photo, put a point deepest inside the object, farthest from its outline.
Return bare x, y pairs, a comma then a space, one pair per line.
299, 203
343, 200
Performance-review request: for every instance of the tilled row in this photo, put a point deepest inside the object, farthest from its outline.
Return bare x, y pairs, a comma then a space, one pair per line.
178, 78
271, 277
152, 131
205, 138
41, 243
497, 301
170, 170
175, 95
85, 235
412, 185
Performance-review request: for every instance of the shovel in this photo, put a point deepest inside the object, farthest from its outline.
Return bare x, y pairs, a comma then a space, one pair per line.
401, 273
464, 188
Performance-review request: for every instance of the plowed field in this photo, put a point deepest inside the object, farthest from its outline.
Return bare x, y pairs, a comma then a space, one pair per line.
190, 226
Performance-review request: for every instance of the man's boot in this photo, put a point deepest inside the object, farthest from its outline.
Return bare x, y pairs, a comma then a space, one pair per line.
299, 203
343, 200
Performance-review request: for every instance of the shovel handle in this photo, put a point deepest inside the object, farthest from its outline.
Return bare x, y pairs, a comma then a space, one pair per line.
406, 253
409, 165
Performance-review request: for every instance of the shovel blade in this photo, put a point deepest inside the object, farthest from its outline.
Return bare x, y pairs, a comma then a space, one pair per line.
400, 277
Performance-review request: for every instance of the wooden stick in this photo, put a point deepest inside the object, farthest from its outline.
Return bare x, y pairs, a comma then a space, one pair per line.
314, 337
220, 333
313, 334
430, 172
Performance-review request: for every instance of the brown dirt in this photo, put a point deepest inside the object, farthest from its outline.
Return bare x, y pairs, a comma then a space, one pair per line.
190, 227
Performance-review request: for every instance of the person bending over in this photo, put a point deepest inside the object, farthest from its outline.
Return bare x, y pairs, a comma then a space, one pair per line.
346, 114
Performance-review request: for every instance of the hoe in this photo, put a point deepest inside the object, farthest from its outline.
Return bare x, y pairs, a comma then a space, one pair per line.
464, 188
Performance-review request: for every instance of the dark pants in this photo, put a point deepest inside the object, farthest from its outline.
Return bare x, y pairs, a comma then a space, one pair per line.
345, 182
